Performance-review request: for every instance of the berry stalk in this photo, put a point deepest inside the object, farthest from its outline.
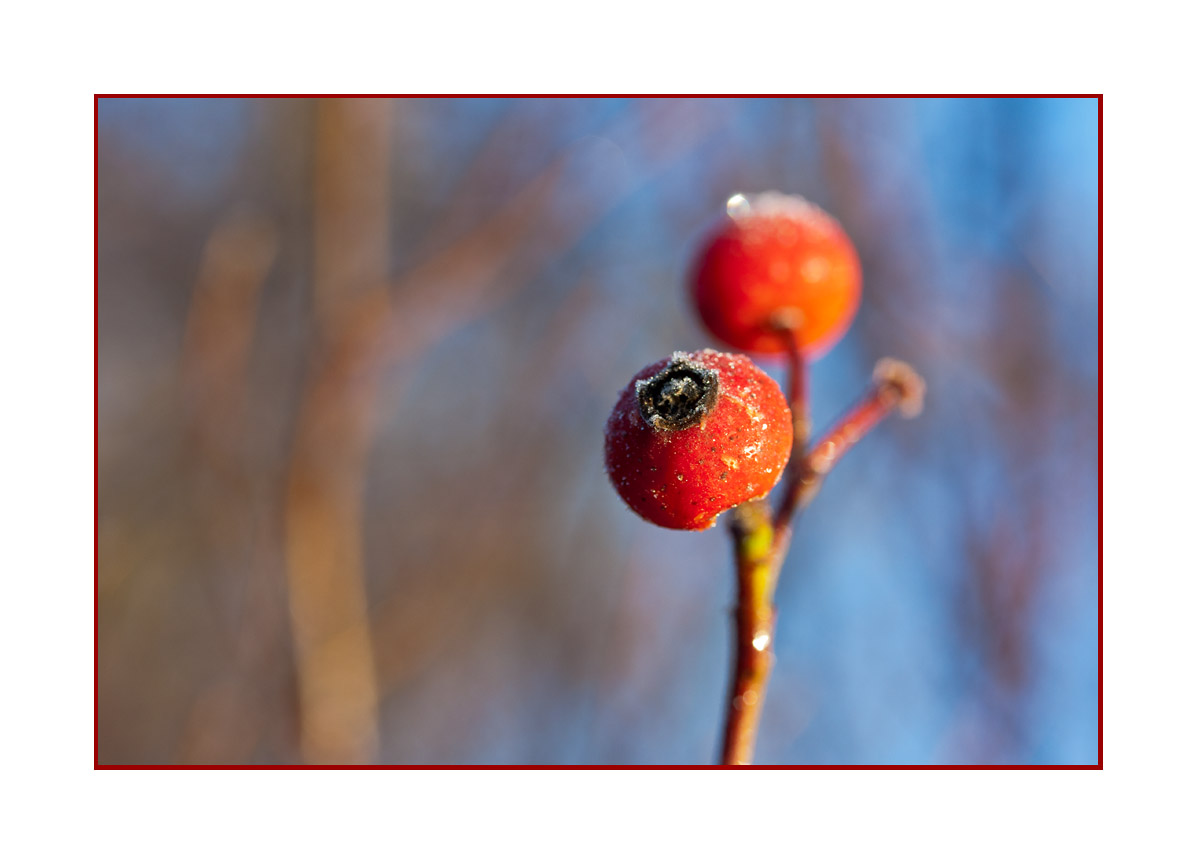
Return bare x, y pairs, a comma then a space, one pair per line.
756, 575
761, 539
796, 471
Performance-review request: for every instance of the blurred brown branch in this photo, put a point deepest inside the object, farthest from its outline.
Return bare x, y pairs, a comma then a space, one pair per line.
225, 721
323, 515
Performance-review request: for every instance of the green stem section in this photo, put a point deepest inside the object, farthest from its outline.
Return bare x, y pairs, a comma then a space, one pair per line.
756, 576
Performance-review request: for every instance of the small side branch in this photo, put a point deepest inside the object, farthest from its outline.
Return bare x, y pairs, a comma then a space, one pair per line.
896, 387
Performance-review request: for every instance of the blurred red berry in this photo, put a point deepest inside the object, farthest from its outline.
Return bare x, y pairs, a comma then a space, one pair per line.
696, 434
777, 260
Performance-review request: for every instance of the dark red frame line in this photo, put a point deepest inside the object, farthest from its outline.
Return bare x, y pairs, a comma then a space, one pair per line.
584, 96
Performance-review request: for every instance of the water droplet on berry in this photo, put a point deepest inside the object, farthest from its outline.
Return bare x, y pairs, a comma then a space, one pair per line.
738, 206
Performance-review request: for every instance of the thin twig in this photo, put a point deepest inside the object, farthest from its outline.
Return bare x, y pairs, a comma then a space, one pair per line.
896, 386
796, 469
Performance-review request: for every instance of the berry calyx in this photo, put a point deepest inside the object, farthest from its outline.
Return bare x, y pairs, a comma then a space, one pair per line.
678, 396
696, 434
777, 262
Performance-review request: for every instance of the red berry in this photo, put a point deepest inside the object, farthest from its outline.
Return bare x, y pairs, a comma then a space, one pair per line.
777, 260
695, 434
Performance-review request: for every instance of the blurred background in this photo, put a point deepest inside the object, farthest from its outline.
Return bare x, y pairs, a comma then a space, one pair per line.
355, 358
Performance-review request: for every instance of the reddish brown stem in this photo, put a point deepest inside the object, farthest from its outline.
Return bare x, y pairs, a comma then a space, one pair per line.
796, 390
761, 541
756, 574
796, 469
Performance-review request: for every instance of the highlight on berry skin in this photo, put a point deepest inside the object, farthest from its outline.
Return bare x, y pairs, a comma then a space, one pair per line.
776, 262
695, 434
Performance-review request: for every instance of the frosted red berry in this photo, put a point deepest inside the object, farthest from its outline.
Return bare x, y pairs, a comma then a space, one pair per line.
696, 434
777, 260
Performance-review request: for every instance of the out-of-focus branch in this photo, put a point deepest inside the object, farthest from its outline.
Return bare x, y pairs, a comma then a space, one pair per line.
225, 720
350, 208
220, 329
338, 692
503, 252
482, 269
461, 281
